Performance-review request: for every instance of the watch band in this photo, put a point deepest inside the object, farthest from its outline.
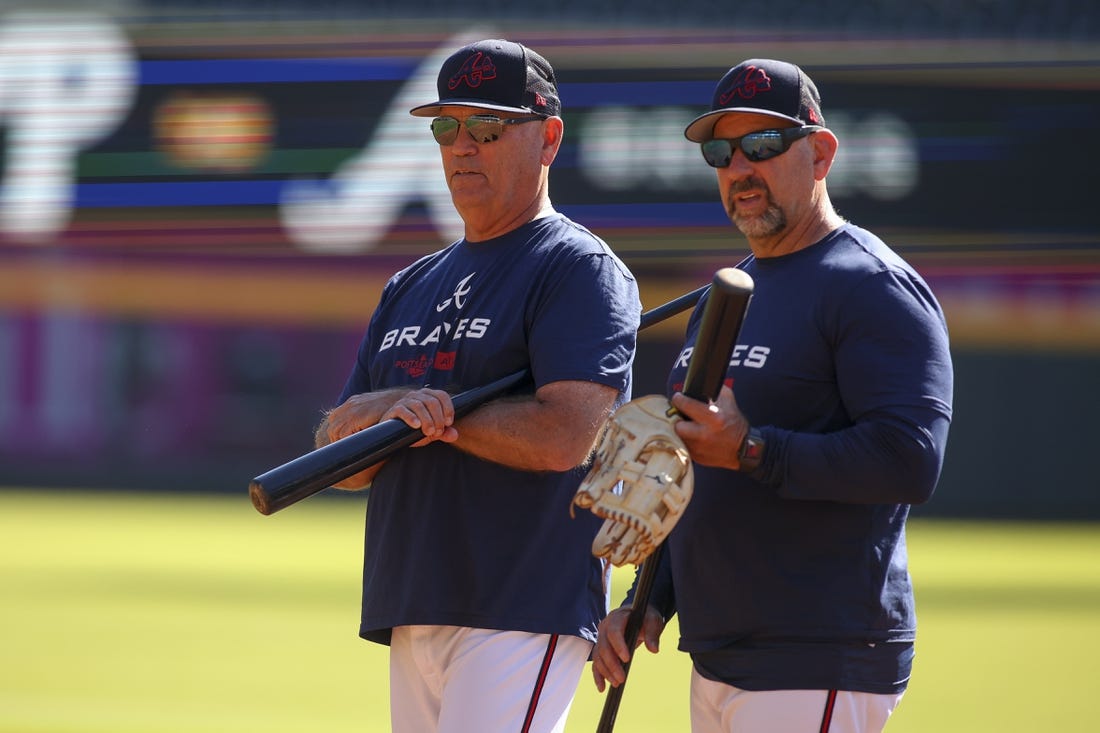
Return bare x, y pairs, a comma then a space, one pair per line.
752, 451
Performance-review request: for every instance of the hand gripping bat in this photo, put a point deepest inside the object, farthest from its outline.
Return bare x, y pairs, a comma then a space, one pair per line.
317, 470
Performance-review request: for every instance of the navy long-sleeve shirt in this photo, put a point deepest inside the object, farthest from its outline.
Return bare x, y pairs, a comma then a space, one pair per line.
796, 576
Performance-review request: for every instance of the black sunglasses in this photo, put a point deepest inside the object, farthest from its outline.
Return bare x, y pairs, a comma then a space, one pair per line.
756, 146
483, 128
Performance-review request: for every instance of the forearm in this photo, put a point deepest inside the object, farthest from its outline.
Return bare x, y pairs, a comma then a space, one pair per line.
356, 413
895, 461
554, 429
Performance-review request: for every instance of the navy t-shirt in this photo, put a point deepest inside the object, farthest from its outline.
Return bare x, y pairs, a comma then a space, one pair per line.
796, 577
450, 538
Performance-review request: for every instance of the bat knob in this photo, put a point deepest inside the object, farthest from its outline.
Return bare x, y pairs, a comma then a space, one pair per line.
259, 498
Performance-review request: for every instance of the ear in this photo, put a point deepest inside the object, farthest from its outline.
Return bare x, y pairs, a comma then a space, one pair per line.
553, 129
825, 145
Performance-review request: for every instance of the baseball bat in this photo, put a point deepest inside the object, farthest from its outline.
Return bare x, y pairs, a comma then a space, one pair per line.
315, 471
719, 327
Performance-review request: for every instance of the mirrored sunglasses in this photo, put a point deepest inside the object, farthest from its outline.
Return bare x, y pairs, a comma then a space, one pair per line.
756, 146
482, 128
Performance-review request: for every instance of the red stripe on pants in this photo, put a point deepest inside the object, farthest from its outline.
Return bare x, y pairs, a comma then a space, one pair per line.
544, 670
827, 716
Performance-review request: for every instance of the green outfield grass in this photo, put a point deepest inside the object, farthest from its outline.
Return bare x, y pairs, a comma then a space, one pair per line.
170, 614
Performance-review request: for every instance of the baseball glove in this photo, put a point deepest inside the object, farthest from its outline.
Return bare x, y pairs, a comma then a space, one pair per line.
640, 448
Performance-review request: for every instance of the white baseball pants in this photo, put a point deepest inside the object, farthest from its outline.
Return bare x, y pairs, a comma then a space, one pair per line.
722, 708
449, 679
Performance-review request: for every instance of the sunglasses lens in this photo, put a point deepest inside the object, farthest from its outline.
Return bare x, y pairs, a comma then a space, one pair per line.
756, 146
717, 153
484, 128
759, 146
445, 130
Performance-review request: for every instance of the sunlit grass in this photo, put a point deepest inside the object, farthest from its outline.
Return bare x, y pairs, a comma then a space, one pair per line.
138, 613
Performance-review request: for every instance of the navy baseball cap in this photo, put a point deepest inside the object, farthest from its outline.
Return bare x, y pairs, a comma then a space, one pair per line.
761, 86
498, 75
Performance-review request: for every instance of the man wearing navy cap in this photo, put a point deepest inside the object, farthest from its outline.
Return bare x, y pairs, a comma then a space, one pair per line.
474, 573
788, 571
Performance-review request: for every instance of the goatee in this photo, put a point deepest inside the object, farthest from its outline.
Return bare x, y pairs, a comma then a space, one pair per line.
771, 222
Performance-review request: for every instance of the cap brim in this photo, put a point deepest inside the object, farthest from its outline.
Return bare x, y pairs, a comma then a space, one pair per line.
701, 128
432, 110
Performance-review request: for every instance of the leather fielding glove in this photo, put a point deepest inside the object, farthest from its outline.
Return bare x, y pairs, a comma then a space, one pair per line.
639, 448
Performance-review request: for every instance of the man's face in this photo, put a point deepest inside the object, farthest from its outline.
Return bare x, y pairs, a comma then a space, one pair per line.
494, 182
762, 198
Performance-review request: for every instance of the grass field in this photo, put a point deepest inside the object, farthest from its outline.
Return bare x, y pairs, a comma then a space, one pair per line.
125, 613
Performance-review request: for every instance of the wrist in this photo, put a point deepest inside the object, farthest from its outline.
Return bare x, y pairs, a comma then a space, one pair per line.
751, 452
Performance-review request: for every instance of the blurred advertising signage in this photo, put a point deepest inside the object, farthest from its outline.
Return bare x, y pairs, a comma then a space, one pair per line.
66, 82
92, 126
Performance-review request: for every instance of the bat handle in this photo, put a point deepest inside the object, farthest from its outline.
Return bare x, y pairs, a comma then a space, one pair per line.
634, 623
730, 293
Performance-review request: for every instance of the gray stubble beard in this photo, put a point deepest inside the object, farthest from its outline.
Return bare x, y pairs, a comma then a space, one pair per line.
771, 222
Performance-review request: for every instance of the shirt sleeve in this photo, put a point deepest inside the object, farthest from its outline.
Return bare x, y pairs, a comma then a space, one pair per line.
895, 377
585, 324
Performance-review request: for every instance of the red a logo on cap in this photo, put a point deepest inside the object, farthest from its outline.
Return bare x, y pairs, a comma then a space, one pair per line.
746, 85
475, 69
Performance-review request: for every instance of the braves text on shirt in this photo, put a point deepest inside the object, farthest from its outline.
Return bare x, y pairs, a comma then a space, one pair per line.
752, 357
469, 328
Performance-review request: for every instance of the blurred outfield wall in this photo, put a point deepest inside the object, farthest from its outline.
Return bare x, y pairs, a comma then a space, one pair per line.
198, 210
